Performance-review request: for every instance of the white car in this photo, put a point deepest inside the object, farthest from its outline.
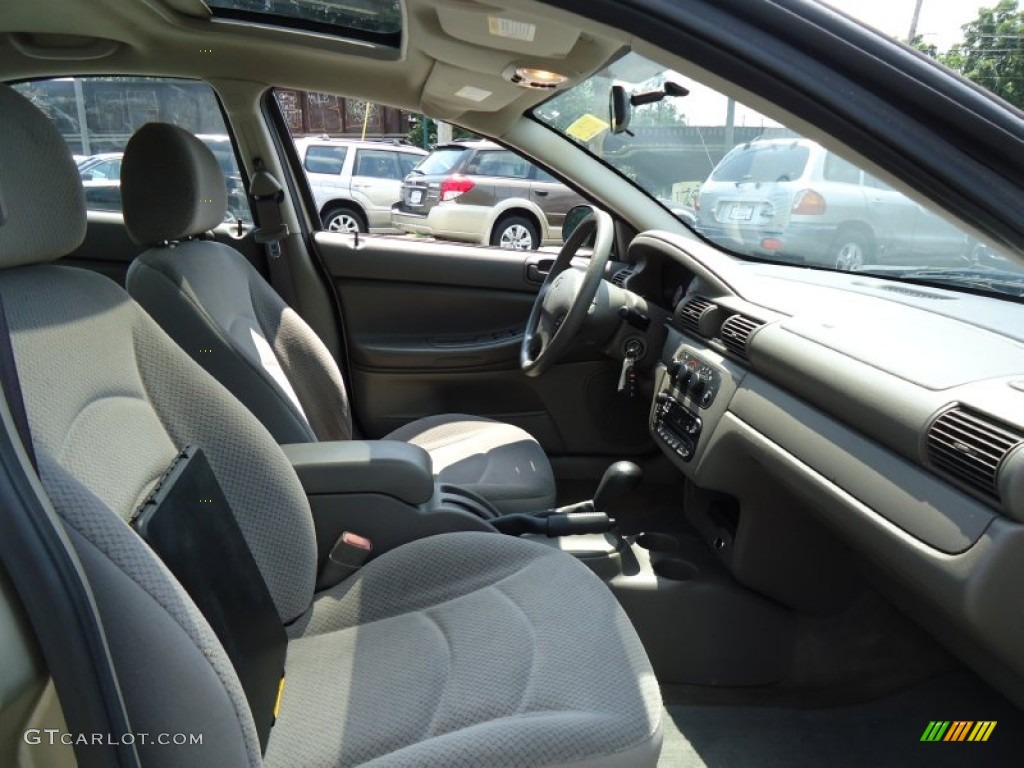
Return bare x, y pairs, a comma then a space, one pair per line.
355, 183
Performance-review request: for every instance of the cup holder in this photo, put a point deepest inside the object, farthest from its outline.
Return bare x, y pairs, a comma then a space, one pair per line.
675, 569
657, 542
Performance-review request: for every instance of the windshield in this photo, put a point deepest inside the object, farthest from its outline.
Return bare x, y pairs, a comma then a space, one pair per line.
753, 186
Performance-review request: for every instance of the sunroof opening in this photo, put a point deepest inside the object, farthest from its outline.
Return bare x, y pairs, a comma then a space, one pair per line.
378, 21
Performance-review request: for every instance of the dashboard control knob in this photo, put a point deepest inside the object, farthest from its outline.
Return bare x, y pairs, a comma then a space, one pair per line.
674, 367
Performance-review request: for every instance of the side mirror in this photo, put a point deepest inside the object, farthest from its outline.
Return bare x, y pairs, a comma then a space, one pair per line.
619, 109
87, 176
574, 218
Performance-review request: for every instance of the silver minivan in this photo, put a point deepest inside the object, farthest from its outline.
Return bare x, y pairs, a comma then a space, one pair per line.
793, 198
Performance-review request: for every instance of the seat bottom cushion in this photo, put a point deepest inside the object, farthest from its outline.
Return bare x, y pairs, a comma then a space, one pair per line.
498, 461
511, 654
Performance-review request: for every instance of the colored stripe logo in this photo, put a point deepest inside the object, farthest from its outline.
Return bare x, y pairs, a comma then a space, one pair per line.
958, 730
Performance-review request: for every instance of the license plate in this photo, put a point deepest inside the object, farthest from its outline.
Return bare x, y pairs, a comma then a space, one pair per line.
416, 197
741, 213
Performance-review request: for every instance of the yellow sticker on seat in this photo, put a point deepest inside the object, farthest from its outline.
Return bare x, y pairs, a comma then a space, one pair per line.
280, 693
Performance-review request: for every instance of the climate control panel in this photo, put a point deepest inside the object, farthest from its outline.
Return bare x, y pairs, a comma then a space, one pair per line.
695, 379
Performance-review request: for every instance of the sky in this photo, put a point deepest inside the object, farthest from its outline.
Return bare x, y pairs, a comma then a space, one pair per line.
939, 23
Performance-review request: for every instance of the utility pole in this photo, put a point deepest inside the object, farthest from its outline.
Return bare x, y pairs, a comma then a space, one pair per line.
913, 22
83, 123
444, 132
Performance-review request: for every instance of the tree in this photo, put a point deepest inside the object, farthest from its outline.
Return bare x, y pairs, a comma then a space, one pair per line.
415, 135
992, 52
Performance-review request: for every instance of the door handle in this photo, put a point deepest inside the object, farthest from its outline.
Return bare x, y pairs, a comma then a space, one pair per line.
540, 192
537, 271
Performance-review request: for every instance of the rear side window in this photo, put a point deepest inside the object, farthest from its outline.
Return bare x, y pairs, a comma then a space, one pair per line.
378, 164
773, 163
499, 163
442, 160
407, 161
837, 169
325, 159
97, 115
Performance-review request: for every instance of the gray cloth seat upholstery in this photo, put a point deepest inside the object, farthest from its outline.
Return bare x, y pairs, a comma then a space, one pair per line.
211, 300
464, 649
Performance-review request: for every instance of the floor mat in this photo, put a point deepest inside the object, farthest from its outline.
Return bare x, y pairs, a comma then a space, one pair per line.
881, 733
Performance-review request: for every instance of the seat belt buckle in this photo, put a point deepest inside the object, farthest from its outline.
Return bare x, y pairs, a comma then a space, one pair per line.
349, 553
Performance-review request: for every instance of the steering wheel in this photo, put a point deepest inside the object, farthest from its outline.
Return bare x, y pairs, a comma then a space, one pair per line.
566, 295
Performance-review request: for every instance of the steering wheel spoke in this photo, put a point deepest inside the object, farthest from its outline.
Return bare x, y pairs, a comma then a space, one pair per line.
563, 301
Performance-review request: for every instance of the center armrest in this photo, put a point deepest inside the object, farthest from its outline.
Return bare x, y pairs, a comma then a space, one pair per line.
389, 467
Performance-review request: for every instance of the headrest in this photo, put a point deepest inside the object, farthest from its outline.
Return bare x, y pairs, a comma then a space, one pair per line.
43, 197
171, 185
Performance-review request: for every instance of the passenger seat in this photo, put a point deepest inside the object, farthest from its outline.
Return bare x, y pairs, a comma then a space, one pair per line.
211, 301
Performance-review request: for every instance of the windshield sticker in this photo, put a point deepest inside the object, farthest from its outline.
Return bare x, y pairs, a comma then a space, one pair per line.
586, 127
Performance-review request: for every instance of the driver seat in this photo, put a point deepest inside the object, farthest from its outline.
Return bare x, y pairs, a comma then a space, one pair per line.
221, 311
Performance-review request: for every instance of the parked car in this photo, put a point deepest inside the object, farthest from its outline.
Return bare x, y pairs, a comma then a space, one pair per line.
355, 183
793, 199
101, 178
480, 192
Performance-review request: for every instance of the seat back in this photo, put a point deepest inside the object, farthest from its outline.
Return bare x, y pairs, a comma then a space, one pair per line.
212, 301
110, 399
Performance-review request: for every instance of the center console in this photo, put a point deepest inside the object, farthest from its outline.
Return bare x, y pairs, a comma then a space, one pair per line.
383, 490
692, 389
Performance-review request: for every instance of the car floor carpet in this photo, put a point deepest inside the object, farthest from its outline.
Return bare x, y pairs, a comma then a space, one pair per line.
877, 734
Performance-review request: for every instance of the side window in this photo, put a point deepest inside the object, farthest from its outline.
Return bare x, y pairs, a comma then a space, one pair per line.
541, 175
407, 161
502, 163
97, 115
838, 169
377, 164
321, 158
875, 183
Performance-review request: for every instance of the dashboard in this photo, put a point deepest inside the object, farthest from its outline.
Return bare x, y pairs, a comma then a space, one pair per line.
891, 414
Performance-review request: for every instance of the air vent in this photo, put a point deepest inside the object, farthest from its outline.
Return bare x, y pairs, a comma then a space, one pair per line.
620, 277
970, 447
736, 331
690, 313
904, 291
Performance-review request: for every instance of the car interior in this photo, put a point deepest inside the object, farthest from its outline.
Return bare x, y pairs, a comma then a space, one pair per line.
276, 495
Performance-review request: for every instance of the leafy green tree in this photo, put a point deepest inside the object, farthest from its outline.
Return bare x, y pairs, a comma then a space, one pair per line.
992, 51
415, 136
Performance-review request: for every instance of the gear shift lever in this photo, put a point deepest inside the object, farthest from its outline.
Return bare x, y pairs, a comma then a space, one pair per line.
579, 518
620, 478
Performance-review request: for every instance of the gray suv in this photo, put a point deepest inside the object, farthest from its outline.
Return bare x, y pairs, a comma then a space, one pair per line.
793, 198
480, 192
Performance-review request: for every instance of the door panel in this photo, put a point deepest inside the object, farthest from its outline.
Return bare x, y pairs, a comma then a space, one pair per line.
435, 328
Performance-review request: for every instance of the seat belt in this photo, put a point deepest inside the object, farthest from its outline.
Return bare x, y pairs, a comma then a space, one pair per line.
12, 388
267, 195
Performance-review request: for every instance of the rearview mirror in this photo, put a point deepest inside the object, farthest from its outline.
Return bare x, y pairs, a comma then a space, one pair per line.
620, 104
619, 110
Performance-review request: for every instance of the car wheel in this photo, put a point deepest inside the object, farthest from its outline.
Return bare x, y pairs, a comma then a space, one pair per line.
851, 251
343, 220
516, 233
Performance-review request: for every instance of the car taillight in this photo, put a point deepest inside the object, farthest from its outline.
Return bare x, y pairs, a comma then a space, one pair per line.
809, 203
454, 186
